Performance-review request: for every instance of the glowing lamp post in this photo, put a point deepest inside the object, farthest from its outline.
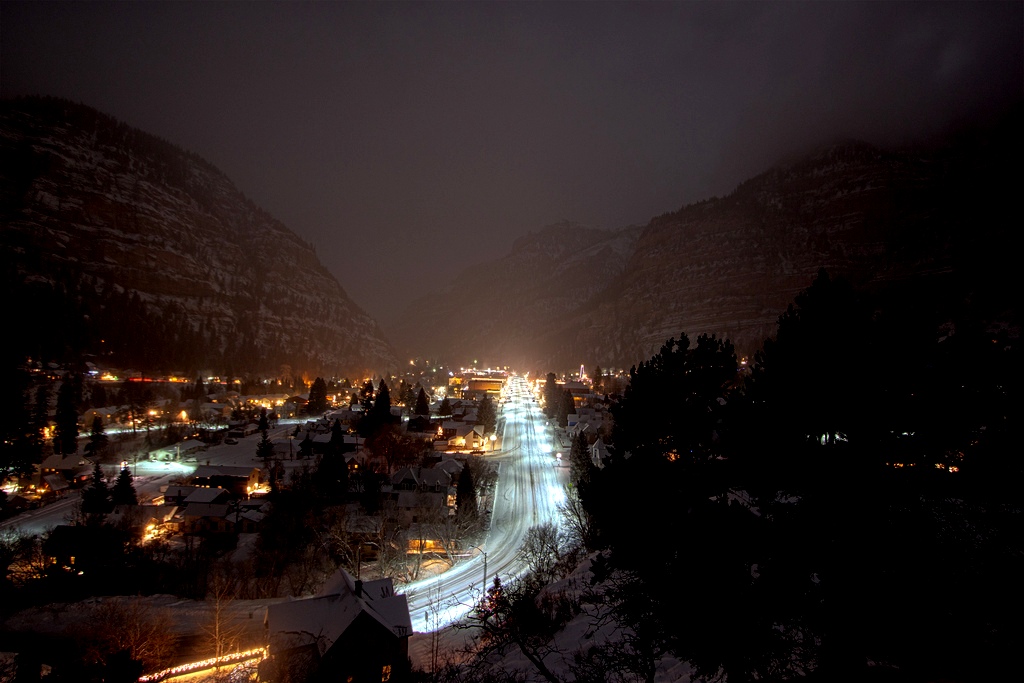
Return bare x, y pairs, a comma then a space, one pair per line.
494, 438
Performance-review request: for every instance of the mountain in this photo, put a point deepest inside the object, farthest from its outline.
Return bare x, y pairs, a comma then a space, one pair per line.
121, 246
497, 312
933, 224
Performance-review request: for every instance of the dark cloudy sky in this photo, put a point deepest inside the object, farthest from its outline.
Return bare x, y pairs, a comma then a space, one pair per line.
405, 140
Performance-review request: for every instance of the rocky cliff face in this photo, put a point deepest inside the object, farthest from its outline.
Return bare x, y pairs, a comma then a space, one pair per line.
940, 219
499, 312
106, 213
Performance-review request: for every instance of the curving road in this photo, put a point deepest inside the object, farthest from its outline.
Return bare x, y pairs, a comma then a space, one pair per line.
528, 492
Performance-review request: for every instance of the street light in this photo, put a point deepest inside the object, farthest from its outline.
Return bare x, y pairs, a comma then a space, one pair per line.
494, 437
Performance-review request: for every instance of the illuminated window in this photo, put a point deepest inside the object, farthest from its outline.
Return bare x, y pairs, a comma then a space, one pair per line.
385, 673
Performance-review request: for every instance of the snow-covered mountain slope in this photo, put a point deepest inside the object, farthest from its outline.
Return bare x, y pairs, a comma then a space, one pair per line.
126, 215
938, 221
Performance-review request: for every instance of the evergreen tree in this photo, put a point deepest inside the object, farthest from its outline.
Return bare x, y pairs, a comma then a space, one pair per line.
199, 390
379, 414
565, 407
445, 409
265, 451
407, 394
580, 464
306, 447
465, 495
674, 401
552, 395
96, 496
597, 380
366, 395
69, 397
123, 492
98, 440
317, 403
331, 474
264, 424
487, 415
422, 404
337, 443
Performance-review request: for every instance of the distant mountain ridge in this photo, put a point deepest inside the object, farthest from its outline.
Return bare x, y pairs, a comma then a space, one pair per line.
731, 265
500, 309
111, 222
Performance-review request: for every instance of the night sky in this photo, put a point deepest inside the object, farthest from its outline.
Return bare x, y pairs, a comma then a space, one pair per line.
406, 140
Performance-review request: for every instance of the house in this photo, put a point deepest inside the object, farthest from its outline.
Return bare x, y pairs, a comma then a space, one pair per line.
239, 431
421, 479
143, 522
202, 495
188, 448
207, 518
416, 507
75, 469
599, 453
421, 425
450, 465
461, 435
240, 481
351, 631
54, 484
173, 494
84, 548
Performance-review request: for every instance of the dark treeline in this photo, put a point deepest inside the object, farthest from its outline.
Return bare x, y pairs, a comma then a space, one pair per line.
850, 510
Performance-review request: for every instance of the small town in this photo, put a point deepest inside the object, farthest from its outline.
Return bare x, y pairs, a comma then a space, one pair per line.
411, 489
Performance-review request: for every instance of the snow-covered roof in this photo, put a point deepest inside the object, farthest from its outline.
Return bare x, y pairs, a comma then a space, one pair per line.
324, 618
204, 495
206, 510
205, 471
450, 465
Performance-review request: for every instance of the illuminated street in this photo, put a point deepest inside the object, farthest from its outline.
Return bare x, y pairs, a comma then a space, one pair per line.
528, 493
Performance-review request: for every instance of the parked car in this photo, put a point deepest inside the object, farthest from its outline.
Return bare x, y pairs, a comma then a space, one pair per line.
231, 441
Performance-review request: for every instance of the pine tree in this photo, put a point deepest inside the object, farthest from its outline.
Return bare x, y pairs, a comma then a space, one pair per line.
317, 403
331, 474
580, 464
422, 404
445, 409
96, 497
407, 394
565, 407
123, 492
306, 447
487, 415
265, 451
465, 495
366, 395
97, 438
379, 414
68, 398
551, 395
